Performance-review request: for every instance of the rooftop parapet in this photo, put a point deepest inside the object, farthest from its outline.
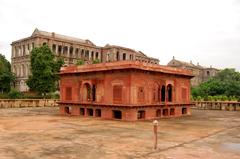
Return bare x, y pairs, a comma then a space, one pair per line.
120, 65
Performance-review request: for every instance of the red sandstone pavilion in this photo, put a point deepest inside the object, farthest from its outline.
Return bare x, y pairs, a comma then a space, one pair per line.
125, 90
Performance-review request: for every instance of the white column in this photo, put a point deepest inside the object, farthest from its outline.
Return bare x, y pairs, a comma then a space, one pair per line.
90, 54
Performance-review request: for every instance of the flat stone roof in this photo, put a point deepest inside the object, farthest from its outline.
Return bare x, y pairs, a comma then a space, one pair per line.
123, 65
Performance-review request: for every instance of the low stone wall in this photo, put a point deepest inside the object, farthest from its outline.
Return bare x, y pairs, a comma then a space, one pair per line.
217, 105
20, 103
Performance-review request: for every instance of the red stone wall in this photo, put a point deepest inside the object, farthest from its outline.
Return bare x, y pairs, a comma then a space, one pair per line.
131, 83
128, 114
138, 94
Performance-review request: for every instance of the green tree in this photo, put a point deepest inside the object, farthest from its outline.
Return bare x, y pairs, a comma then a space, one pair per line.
225, 84
44, 68
6, 76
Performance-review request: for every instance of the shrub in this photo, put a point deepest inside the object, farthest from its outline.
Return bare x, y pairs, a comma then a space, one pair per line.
14, 94
80, 62
96, 61
3, 96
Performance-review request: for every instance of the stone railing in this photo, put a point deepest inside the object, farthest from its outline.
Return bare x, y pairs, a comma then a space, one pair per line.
20, 103
217, 105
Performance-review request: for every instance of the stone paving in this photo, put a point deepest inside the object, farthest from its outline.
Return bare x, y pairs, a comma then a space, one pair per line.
34, 133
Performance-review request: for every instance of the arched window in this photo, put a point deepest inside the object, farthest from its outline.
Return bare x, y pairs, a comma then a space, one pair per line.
159, 94
163, 94
71, 51
54, 48
208, 73
117, 94
96, 55
117, 56
141, 94
59, 50
169, 92
86, 92
76, 52
124, 56
94, 93
68, 95
65, 50
92, 55
156, 92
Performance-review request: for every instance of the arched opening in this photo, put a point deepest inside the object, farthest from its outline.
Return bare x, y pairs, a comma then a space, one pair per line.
68, 94
94, 93
124, 56
156, 93
130, 56
59, 50
76, 52
117, 56
117, 94
159, 94
96, 55
87, 54
54, 48
92, 55
208, 73
86, 92
65, 50
163, 94
141, 94
82, 54
169, 92
184, 94
71, 51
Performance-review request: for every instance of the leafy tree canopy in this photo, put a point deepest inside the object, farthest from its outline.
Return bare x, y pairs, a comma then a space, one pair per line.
225, 83
6, 76
44, 68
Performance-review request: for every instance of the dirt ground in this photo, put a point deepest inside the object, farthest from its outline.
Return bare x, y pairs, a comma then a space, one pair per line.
40, 133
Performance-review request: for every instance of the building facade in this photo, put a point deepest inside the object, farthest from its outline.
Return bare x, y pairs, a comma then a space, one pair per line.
125, 90
201, 73
69, 48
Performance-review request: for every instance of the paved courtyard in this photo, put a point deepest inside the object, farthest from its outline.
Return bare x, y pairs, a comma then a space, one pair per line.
36, 133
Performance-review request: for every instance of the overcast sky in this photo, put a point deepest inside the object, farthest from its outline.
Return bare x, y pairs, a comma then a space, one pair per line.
204, 31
